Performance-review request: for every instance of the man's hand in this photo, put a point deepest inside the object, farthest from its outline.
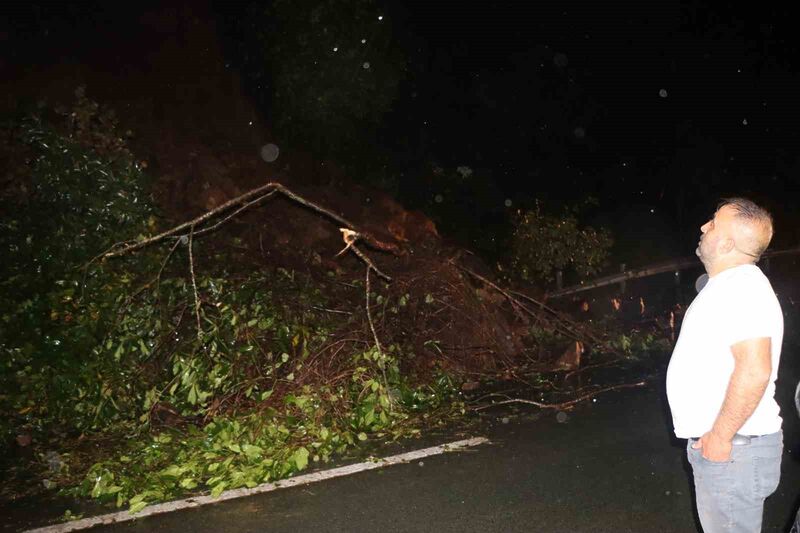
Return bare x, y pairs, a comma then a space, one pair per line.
715, 448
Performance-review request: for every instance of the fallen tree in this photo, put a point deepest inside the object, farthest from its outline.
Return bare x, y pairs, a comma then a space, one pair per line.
208, 356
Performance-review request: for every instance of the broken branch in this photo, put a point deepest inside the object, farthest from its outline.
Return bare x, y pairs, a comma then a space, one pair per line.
566, 404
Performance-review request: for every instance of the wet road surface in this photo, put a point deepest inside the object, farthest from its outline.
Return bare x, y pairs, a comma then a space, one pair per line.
612, 466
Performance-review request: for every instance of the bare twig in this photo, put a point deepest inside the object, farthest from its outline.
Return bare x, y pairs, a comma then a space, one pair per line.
559, 317
325, 309
382, 364
590, 367
570, 331
164, 264
227, 218
568, 403
194, 287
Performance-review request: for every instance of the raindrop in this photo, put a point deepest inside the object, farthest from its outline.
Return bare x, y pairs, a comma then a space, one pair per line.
579, 133
363, 41
269, 152
507, 202
380, 17
365, 65
438, 198
335, 48
662, 93
744, 122
560, 60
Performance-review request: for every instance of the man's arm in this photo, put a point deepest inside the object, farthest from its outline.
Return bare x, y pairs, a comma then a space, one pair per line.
751, 374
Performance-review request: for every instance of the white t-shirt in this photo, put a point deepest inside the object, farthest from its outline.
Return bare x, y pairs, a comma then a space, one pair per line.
735, 305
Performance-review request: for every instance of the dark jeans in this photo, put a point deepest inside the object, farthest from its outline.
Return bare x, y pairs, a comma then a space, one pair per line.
730, 495
796, 526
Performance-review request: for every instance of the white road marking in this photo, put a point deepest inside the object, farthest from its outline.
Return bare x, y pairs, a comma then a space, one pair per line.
305, 479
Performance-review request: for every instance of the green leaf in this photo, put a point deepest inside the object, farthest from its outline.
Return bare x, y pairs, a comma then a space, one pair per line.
369, 418
234, 448
217, 490
136, 507
384, 400
192, 395
188, 483
214, 480
173, 471
300, 458
252, 451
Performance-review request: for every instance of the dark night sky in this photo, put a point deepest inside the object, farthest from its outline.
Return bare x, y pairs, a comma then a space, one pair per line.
512, 86
665, 105
719, 69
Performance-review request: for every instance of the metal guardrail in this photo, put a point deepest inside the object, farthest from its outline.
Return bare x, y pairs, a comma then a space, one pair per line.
659, 268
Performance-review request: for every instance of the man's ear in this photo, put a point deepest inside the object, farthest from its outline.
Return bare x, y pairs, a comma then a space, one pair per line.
726, 246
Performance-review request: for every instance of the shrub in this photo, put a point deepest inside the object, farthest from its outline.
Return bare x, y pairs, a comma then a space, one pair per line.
543, 244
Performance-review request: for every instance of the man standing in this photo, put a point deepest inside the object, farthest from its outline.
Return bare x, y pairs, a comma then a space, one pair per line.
721, 377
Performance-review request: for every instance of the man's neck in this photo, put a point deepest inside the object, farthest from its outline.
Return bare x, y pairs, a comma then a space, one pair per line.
722, 266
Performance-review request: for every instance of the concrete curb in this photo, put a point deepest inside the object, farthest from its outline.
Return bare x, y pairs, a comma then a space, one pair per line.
305, 479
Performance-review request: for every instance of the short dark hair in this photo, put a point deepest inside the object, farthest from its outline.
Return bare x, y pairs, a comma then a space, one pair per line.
755, 215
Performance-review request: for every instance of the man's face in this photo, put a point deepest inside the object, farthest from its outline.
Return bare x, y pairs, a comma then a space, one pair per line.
717, 235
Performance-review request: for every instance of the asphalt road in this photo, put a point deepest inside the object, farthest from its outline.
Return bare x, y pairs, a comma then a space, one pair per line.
612, 466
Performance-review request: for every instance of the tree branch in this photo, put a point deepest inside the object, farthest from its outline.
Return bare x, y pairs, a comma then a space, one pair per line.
244, 200
568, 403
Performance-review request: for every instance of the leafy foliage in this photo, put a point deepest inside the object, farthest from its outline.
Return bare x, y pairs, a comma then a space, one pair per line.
543, 244
69, 204
102, 349
227, 453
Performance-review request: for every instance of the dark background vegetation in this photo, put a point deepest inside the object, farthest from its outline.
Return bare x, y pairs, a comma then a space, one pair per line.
556, 101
